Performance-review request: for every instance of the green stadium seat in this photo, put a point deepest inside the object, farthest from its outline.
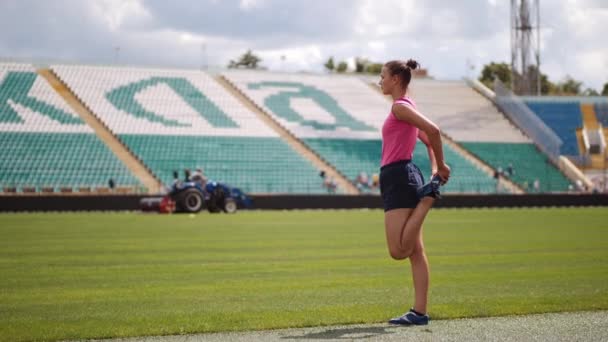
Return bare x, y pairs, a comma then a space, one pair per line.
52, 148
178, 119
528, 164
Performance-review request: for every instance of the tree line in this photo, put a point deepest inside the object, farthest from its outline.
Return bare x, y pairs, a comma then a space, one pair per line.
491, 71
362, 65
567, 86
249, 60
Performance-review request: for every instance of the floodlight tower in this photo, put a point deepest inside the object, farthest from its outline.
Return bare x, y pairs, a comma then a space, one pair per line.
525, 47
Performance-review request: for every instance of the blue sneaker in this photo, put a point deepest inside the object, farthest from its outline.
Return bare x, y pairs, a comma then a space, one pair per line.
431, 188
411, 318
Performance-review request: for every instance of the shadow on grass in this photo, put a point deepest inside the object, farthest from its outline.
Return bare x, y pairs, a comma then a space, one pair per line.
353, 333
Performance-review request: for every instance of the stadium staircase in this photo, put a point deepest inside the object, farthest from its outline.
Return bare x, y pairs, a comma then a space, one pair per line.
139, 170
595, 133
589, 117
601, 111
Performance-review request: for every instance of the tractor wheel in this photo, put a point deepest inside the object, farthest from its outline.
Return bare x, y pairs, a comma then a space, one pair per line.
230, 206
191, 201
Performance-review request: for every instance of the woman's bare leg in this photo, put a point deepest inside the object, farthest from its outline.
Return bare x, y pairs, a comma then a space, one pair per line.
420, 275
413, 225
403, 227
394, 222
404, 238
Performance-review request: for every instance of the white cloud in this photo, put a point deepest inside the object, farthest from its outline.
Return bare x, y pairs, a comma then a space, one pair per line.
443, 35
249, 4
382, 18
293, 59
115, 13
446, 23
573, 42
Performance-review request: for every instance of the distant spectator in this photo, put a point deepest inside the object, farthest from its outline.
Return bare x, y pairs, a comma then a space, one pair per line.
536, 185
187, 175
111, 184
497, 180
362, 181
375, 181
364, 178
199, 177
510, 170
330, 184
579, 185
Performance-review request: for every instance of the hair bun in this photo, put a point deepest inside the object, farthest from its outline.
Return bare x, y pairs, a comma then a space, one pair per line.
412, 64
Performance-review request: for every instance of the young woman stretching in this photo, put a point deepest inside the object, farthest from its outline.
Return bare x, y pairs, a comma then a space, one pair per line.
400, 181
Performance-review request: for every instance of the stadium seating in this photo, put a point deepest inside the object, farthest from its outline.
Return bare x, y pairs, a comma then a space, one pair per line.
527, 162
177, 119
462, 113
477, 125
353, 156
564, 117
44, 142
340, 117
601, 110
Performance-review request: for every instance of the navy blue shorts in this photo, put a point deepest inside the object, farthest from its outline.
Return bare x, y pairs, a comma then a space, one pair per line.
398, 184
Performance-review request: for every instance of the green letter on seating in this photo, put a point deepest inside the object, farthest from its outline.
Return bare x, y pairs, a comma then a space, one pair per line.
124, 98
16, 87
280, 105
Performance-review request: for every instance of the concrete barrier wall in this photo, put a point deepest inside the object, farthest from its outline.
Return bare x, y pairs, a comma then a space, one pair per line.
23, 203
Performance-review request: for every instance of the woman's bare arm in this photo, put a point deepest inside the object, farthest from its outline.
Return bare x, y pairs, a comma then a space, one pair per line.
410, 115
425, 139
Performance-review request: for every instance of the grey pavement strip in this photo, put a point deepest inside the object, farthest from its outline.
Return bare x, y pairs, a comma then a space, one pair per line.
575, 326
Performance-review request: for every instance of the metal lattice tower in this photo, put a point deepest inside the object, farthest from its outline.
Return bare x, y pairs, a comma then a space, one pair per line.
525, 47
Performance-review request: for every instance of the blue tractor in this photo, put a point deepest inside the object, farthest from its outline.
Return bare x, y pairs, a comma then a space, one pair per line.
195, 194
192, 197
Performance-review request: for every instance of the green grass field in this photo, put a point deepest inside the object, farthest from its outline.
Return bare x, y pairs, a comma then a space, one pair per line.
73, 276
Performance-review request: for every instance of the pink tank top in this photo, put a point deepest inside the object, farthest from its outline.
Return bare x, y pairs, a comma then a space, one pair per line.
398, 137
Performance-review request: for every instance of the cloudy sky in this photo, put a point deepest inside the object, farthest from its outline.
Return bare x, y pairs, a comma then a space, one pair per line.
443, 35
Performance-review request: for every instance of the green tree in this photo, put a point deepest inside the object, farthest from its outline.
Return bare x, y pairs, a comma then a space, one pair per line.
329, 65
502, 71
569, 86
248, 60
546, 86
342, 67
374, 68
590, 92
360, 64
605, 90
